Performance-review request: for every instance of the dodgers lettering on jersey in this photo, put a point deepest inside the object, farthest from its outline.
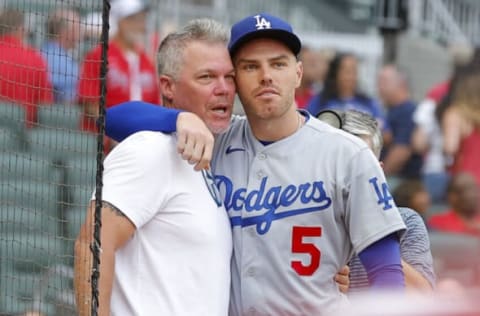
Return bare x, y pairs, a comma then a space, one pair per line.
271, 202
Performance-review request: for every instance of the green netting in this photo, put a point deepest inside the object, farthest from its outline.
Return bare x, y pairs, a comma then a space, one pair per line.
47, 157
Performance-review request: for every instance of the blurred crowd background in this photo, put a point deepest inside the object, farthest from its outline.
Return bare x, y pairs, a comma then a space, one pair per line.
414, 65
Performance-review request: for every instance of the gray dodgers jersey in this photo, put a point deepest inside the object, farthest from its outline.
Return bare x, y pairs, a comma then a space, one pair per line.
298, 208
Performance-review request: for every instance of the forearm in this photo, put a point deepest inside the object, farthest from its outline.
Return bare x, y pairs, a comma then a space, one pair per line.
414, 280
107, 268
82, 277
83, 273
113, 226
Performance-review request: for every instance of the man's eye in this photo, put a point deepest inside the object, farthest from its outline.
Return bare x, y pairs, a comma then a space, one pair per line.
249, 67
206, 76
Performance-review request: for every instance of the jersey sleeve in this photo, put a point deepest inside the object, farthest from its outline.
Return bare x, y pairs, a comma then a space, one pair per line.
371, 213
128, 118
137, 177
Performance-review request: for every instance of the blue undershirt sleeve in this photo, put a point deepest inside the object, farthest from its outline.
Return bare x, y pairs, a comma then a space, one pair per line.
130, 117
382, 261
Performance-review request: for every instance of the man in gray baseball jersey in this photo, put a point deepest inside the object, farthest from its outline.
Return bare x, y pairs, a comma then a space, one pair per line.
302, 196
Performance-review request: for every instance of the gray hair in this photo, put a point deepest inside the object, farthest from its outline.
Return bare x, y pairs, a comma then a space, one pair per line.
170, 52
363, 125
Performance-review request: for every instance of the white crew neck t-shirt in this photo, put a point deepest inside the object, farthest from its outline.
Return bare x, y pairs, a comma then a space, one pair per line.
178, 260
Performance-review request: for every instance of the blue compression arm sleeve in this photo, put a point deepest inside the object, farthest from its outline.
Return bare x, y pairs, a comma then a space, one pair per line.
128, 118
382, 262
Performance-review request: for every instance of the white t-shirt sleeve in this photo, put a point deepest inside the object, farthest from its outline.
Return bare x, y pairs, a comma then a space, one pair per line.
137, 176
371, 211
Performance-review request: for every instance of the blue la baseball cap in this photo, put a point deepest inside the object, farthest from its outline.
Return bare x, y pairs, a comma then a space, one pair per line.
260, 26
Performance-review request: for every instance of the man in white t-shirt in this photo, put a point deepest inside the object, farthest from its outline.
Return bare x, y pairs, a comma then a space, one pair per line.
165, 238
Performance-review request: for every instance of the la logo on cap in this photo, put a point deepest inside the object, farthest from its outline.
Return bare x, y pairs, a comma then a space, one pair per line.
262, 23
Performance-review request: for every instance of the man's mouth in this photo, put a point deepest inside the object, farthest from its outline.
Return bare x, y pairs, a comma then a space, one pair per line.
220, 109
267, 92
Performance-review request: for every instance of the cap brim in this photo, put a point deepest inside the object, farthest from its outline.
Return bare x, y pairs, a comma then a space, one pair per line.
289, 39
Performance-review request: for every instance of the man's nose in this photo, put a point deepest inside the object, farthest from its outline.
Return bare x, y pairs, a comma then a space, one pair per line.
265, 75
222, 87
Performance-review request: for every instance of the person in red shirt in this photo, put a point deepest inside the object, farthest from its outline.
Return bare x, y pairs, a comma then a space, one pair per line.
23, 71
464, 214
131, 74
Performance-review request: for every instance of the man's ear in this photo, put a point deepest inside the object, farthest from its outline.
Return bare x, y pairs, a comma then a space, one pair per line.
167, 86
299, 71
382, 164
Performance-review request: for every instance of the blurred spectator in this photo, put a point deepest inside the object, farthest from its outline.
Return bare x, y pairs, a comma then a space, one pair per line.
427, 137
131, 74
340, 90
427, 141
463, 215
399, 159
23, 71
314, 69
412, 193
63, 32
461, 126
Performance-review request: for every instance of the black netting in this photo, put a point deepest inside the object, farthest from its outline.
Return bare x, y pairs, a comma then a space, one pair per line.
49, 147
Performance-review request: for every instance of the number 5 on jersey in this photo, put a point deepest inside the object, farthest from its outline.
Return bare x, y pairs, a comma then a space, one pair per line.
300, 246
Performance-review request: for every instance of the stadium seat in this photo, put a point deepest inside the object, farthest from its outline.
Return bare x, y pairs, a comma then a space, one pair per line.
60, 116
75, 211
81, 170
30, 207
28, 220
10, 140
12, 116
41, 196
31, 252
80, 183
61, 145
21, 292
19, 165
